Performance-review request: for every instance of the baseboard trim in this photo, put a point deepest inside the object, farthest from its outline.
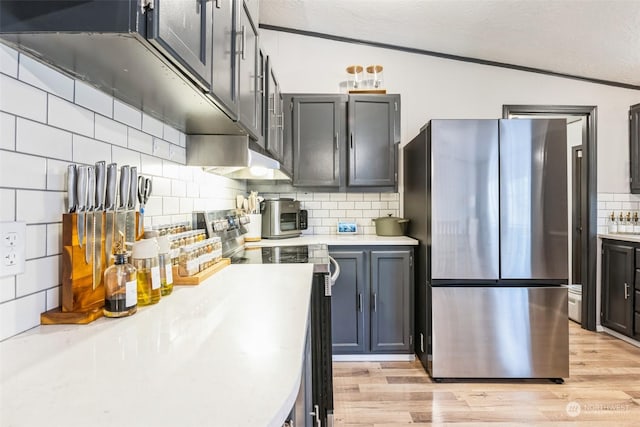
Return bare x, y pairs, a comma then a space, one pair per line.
620, 336
373, 357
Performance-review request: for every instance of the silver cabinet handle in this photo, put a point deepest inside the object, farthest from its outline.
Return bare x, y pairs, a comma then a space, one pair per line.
316, 415
337, 141
626, 291
351, 138
375, 302
243, 34
272, 104
360, 302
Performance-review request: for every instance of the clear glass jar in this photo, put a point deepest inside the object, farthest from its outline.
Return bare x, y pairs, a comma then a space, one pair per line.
188, 261
166, 265
145, 259
613, 224
120, 288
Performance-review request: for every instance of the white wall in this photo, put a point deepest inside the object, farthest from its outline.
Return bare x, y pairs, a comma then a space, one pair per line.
440, 88
47, 121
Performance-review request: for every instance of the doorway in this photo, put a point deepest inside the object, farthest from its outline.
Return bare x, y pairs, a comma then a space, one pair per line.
587, 200
576, 215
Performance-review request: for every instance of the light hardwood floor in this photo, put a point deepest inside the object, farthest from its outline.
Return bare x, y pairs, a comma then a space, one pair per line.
603, 390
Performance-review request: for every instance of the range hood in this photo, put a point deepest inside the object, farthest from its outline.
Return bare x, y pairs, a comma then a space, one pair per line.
230, 155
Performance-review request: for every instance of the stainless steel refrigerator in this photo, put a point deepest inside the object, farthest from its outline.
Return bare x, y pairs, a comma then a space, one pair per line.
487, 199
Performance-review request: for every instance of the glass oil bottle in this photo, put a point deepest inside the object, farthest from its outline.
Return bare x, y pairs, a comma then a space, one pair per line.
166, 266
120, 285
145, 259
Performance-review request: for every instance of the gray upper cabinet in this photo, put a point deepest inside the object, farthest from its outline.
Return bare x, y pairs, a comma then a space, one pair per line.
634, 147
182, 30
274, 114
348, 303
224, 84
318, 127
247, 52
391, 314
344, 142
372, 140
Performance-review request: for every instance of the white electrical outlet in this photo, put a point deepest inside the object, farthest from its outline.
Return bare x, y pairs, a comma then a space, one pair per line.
12, 248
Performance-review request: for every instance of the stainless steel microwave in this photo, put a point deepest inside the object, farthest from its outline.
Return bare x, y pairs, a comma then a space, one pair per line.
282, 218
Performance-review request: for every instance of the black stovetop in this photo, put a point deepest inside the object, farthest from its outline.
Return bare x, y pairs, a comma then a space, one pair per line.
318, 255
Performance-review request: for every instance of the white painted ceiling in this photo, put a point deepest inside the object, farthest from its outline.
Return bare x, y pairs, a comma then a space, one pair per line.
598, 39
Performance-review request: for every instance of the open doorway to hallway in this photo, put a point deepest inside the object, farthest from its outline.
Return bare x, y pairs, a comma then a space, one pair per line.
581, 194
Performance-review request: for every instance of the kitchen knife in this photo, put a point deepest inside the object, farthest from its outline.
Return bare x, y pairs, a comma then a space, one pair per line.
71, 188
123, 200
98, 218
81, 194
91, 198
131, 204
110, 206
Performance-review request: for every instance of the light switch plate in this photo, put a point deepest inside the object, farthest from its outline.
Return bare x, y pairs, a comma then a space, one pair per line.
12, 248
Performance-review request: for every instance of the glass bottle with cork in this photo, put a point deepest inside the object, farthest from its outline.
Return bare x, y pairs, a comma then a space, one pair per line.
120, 285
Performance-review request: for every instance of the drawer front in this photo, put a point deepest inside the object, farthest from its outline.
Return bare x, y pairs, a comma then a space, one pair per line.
637, 279
637, 303
638, 257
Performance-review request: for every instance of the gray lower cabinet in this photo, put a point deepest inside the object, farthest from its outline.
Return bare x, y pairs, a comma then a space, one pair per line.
634, 147
618, 268
372, 303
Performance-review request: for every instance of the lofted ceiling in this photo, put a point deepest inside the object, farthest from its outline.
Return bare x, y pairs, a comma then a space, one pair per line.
595, 39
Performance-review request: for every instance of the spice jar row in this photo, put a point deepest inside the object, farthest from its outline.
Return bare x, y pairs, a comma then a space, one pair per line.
622, 224
199, 256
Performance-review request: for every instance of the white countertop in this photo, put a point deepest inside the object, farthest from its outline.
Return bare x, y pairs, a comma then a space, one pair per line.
619, 236
228, 352
338, 240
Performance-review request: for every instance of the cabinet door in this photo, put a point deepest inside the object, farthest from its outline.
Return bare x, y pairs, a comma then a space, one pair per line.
317, 132
634, 147
391, 278
617, 287
348, 303
274, 114
182, 30
224, 85
261, 99
248, 72
372, 140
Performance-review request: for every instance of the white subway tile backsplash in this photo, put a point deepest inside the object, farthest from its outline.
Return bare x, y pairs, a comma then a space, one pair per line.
161, 186
371, 197
22, 170
346, 205
93, 99
46, 78
303, 197
312, 205
36, 241
183, 140
171, 170
21, 314
319, 213
337, 197
127, 114
57, 175
193, 189
362, 205
53, 298
337, 213
110, 131
37, 138
321, 197
186, 204
356, 197
170, 205
152, 125
389, 196
66, 115
630, 205
621, 197
22, 99
614, 205
89, 151
170, 134
605, 197
54, 239
329, 205
161, 148
322, 230
8, 205
153, 206
178, 188
150, 165
8, 61
7, 288
371, 213
140, 141
124, 156
602, 205
7, 131
40, 206
39, 274
178, 154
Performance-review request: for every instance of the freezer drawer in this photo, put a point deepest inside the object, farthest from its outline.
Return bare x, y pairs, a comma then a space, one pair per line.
499, 332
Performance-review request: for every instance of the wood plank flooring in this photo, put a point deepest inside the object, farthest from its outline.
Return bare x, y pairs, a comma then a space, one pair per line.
603, 390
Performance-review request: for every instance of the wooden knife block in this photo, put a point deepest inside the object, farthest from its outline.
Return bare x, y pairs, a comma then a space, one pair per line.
80, 303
